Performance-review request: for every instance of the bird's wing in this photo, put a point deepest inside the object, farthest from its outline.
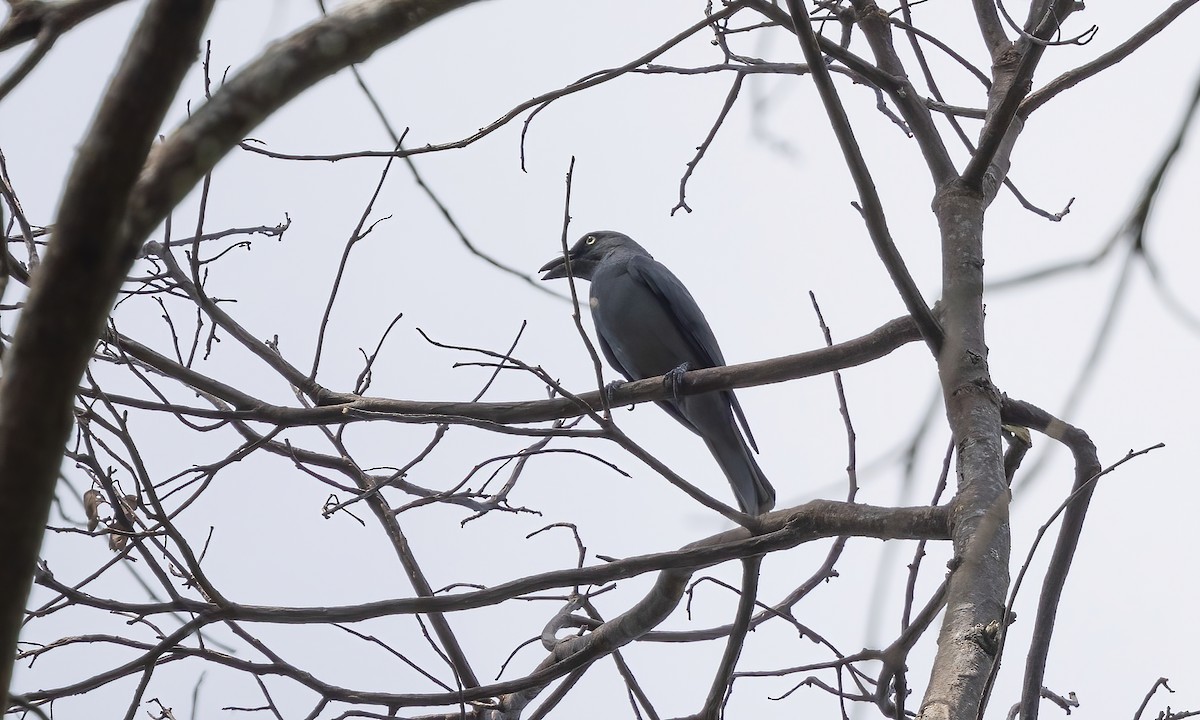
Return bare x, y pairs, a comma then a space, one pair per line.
681, 306
690, 320
621, 303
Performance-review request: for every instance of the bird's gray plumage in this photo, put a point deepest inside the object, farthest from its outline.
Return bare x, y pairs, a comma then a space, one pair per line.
648, 325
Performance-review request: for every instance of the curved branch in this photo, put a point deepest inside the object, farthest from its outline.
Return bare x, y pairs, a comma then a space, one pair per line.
1071, 78
1087, 470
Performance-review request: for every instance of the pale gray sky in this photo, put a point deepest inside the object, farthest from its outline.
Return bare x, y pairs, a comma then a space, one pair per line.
767, 228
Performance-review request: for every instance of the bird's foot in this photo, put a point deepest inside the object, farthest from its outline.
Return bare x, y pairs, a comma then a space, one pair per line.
610, 391
673, 379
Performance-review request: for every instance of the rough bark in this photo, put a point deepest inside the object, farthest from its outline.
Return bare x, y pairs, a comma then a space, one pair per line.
980, 529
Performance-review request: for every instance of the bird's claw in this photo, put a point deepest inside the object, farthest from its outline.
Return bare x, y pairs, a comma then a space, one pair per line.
610, 391
673, 379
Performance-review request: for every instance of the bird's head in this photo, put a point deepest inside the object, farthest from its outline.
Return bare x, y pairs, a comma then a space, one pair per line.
588, 252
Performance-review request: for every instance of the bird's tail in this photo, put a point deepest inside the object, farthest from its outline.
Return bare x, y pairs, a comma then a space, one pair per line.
754, 493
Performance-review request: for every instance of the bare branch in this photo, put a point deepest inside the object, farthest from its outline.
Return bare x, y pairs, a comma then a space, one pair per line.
348, 407
74, 290
1014, 76
872, 207
31, 20
1073, 77
288, 67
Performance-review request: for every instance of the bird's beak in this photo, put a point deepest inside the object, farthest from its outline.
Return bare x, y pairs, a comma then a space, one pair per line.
556, 268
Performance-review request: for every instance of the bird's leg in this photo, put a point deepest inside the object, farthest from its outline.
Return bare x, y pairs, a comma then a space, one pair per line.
673, 379
610, 391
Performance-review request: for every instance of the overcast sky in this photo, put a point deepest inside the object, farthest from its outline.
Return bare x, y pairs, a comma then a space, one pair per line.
771, 222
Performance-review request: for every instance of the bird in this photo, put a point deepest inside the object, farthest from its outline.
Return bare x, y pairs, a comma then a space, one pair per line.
648, 325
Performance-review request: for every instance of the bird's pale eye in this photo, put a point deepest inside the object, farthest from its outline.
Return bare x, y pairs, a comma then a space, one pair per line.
591, 240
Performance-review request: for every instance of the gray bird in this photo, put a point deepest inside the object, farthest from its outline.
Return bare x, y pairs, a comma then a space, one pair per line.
649, 325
